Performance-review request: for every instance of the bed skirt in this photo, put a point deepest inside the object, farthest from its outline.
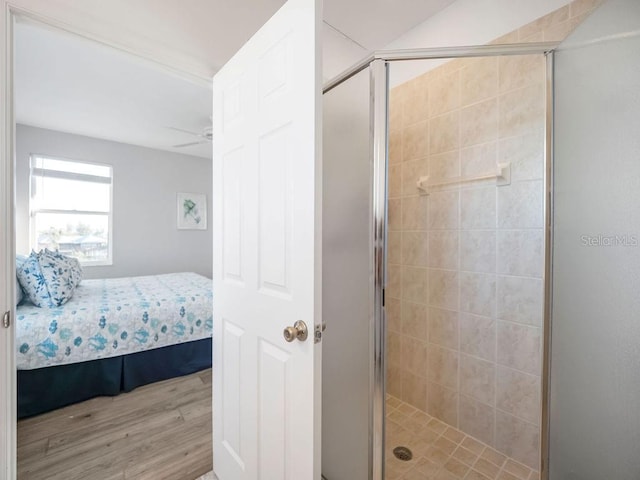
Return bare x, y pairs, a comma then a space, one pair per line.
45, 389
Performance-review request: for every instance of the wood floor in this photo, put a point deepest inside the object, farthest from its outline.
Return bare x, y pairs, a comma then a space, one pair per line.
160, 431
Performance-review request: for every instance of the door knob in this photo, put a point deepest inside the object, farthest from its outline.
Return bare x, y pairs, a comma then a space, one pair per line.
299, 331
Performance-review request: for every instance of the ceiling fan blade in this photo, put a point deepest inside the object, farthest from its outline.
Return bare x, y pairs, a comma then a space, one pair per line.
190, 144
185, 131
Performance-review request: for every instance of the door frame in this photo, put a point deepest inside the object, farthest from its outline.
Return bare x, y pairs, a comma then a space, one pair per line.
7, 252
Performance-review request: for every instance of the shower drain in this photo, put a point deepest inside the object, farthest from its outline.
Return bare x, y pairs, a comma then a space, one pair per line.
403, 453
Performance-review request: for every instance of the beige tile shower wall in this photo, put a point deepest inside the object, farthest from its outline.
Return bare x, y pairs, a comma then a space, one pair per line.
465, 282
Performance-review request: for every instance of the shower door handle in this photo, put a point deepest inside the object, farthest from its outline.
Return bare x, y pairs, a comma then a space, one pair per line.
299, 331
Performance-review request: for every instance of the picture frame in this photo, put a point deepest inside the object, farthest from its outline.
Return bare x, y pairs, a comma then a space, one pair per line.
192, 211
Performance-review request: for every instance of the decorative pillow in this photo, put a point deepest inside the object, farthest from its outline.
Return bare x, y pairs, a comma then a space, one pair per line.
72, 263
20, 259
19, 294
77, 270
46, 280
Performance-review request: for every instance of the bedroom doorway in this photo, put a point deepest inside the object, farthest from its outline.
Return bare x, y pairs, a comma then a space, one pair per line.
110, 151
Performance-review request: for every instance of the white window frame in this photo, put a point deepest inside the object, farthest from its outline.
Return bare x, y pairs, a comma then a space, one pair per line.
71, 176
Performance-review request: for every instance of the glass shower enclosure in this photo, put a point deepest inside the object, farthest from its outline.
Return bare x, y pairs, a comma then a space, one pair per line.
384, 362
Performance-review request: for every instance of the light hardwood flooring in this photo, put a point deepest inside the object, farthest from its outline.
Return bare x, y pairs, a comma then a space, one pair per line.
160, 431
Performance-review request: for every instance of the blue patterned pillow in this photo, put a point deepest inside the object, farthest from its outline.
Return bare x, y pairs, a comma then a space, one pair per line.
46, 280
19, 294
20, 259
77, 269
71, 263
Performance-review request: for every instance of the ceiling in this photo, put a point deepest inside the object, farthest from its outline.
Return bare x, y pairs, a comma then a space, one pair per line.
76, 86
67, 83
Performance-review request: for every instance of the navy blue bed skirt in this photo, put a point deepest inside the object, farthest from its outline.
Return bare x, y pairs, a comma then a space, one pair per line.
45, 389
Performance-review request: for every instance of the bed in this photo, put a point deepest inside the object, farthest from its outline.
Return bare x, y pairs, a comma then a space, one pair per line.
112, 336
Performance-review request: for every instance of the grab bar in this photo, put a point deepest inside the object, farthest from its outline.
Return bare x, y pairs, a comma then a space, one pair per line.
502, 177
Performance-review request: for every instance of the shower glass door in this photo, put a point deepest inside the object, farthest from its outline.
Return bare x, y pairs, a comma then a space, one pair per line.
466, 257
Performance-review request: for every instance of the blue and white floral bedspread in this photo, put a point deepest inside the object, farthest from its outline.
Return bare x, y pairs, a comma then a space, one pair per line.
116, 316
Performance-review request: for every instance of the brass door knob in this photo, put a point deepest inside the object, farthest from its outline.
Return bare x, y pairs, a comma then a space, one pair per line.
299, 331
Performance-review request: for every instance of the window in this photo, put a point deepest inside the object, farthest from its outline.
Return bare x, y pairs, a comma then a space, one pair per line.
71, 208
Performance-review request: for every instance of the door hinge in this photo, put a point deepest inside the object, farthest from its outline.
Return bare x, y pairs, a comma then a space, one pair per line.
6, 319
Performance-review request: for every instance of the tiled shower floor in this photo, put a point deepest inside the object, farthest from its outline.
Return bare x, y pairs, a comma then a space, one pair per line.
441, 452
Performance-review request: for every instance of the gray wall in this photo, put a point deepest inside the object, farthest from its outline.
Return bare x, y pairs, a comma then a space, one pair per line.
145, 183
595, 336
346, 279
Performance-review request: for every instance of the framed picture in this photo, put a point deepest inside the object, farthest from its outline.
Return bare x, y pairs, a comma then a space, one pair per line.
192, 211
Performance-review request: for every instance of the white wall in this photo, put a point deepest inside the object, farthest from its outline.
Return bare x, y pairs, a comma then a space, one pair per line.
467, 22
474, 22
145, 182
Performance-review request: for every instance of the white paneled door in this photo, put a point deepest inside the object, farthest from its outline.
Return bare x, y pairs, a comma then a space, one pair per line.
266, 228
